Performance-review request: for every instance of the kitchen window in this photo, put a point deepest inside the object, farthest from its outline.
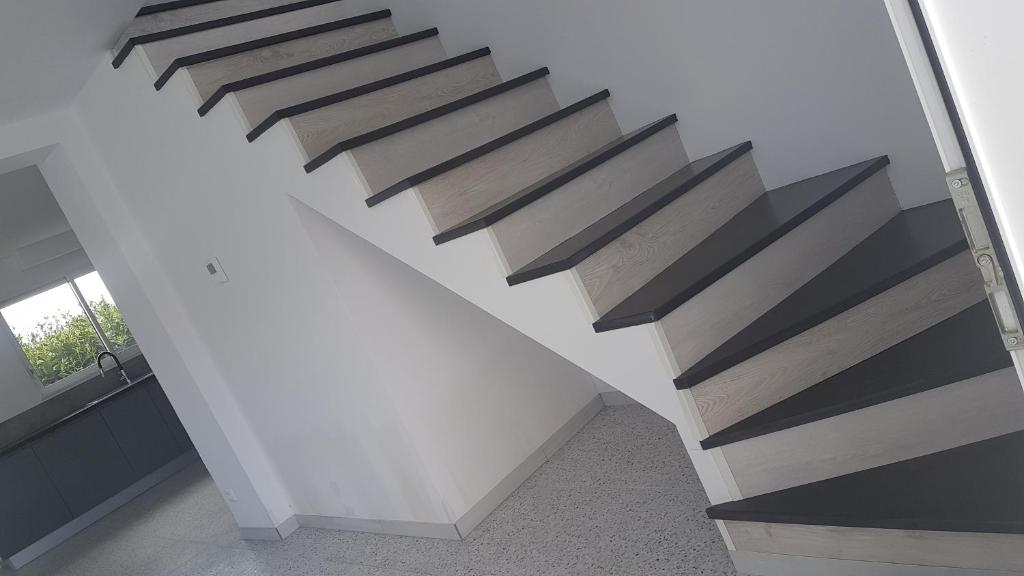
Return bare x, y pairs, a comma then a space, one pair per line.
62, 328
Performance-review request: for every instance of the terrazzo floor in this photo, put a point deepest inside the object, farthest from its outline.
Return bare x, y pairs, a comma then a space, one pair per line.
620, 498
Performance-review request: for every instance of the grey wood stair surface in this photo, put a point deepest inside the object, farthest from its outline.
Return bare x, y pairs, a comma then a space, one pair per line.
342, 96
973, 488
184, 18
483, 149
461, 192
834, 351
207, 68
551, 219
839, 343
393, 158
764, 221
576, 249
308, 45
363, 111
958, 348
252, 80
162, 53
480, 88
261, 102
505, 207
724, 308
910, 243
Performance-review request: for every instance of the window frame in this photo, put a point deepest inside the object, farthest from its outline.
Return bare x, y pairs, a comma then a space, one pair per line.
85, 374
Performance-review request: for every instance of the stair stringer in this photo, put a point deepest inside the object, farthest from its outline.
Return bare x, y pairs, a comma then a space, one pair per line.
552, 310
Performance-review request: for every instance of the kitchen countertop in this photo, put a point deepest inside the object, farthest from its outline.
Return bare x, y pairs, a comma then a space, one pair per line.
68, 405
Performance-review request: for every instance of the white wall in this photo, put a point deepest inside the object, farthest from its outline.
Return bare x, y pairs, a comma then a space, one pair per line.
476, 396
980, 45
19, 390
29, 217
50, 48
82, 186
372, 395
815, 84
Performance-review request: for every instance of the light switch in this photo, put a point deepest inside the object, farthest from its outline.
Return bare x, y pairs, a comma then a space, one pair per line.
216, 271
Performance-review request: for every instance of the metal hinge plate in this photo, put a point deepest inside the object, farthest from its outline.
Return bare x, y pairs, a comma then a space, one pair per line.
985, 257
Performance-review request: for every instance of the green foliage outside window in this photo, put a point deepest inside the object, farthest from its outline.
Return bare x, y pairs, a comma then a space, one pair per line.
65, 344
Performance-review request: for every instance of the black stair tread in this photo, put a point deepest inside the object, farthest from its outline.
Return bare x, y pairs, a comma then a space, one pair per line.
973, 488
317, 63
405, 124
961, 347
552, 182
172, 5
486, 148
910, 243
408, 75
207, 55
755, 227
134, 41
594, 237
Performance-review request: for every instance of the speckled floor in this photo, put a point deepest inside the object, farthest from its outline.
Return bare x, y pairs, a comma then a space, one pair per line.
620, 498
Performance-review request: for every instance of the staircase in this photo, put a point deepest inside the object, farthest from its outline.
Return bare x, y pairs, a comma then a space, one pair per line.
838, 379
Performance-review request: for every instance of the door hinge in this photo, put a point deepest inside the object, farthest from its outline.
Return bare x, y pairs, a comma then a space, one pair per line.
984, 254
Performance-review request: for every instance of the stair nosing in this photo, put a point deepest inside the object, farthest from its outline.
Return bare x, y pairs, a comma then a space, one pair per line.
423, 117
718, 440
893, 523
685, 380
134, 41
663, 309
225, 51
486, 148
363, 89
966, 489
731, 435
315, 64
527, 273
168, 6
552, 182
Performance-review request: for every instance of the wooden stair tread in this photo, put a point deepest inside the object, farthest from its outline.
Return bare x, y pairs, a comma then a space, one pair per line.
432, 114
485, 148
351, 93
910, 243
216, 53
296, 69
552, 182
758, 225
958, 348
594, 237
146, 38
972, 488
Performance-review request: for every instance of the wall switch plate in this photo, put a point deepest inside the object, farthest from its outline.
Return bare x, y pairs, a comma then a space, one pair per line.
216, 271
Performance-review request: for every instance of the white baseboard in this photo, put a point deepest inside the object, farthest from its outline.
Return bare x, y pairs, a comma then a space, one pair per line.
761, 564
471, 519
280, 532
439, 530
62, 534
509, 483
616, 398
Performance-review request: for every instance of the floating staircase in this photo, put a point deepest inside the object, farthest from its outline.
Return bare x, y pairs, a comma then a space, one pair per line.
838, 378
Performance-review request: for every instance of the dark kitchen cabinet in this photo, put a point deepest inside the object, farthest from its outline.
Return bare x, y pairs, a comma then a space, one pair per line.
84, 462
69, 466
163, 406
30, 506
140, 431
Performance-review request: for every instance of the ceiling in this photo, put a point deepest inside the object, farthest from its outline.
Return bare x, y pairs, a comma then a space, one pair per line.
50, 48
28, 211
